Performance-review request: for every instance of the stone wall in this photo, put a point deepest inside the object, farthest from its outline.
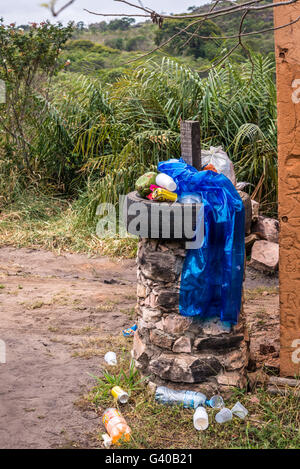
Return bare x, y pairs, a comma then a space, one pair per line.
175, 350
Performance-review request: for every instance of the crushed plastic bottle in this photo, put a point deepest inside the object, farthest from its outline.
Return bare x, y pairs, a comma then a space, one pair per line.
169, 396
215, 402
116, 426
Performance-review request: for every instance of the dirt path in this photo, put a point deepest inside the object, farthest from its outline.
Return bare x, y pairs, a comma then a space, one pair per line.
50, 305
56, 312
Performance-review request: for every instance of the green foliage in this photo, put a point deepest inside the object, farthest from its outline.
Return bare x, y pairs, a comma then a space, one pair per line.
120, 24
27, 62
189, 43
139, 125
115, 43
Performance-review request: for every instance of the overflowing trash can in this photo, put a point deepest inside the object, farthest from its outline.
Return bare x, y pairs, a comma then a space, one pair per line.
190, 269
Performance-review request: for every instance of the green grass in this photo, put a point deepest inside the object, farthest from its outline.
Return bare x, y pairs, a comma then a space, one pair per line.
41, 221
272, 423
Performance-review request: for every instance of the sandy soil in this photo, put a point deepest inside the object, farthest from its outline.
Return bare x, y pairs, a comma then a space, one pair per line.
50, 306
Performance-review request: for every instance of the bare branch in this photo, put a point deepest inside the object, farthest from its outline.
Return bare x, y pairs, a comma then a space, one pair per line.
116, 14
56, 13
212, 14
251, 33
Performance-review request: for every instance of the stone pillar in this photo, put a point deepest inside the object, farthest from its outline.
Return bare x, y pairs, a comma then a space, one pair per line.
175, 350
287, 53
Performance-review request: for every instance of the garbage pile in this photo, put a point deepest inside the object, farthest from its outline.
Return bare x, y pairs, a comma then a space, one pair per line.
261, 233
212, 274
117, 428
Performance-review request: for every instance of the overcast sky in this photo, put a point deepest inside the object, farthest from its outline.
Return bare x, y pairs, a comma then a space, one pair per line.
24, 11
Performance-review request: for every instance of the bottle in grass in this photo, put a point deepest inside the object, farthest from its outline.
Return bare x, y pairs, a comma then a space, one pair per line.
116, 426
169, 396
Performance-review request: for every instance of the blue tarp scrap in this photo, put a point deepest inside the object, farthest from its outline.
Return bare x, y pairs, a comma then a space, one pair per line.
212, 276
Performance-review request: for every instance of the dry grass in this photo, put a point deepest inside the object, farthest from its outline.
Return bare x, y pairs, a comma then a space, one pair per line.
52, 225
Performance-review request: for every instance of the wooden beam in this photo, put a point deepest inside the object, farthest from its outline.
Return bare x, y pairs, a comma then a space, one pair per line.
287, 54
190, 143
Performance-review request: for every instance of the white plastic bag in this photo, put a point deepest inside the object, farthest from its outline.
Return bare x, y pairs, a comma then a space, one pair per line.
220, 160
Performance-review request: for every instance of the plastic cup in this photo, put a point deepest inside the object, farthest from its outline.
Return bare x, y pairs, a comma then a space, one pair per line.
239, 410
110, 358
200, 419
216, 402
224, 415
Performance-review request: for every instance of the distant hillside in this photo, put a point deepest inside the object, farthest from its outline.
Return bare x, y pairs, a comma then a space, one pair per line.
254, 21
104, 49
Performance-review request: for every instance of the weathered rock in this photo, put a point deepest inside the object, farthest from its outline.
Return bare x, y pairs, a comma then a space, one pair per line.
185, 368
268, 228
265, 349
150, 315
161, 339
139, 349
250, 239
168, 300
141, 290
231, 378
175, 324
182, 345
265, 256
218, 343
159, 265
248, 210
235, 360
255, 210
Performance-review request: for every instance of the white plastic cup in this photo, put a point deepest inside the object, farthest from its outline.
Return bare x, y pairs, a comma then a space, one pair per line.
110, 358
200, 419
165, 181
216, 402
239, 410
224, 415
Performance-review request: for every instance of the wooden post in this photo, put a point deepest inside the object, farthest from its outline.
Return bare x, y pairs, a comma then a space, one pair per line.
287, 53
190, 143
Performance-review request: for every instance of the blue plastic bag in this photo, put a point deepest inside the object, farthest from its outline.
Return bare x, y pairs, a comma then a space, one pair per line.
212, 276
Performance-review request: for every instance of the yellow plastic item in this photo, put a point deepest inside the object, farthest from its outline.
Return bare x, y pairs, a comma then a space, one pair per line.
164, 195
116, 425
119, 395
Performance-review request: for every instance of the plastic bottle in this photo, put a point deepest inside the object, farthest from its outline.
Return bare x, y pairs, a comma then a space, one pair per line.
116, 425
216, 402
200, 419
191, 399
110, 358
165, 181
